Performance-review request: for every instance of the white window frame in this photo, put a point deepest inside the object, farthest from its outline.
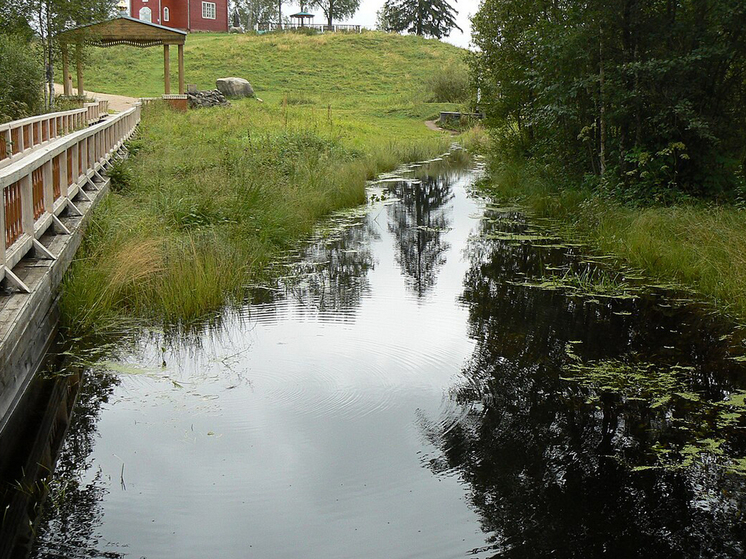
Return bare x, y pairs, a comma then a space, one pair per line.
145, 11
166, 14
209, 10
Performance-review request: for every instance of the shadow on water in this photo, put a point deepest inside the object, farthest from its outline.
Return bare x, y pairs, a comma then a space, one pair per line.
594, 414
599, 425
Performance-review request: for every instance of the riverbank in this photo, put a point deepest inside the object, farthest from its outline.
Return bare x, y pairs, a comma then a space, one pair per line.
695, 245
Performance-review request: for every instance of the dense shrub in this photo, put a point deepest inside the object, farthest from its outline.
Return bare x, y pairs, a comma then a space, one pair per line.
450, 84
646, 96
21, 79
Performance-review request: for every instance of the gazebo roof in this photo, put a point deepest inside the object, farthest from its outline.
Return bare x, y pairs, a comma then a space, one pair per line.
124, 30
302, 15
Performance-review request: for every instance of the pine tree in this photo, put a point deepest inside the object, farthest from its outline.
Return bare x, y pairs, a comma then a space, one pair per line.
427, 18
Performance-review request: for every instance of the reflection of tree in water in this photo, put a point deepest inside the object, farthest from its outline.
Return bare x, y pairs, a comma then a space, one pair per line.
332, 275
73, 509
549, 466
418, 222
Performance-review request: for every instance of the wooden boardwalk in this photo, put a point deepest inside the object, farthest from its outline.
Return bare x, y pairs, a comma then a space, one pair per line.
50, 185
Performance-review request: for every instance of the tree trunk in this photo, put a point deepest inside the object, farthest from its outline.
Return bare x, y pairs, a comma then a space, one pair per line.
50, 64
602, 104
330, 14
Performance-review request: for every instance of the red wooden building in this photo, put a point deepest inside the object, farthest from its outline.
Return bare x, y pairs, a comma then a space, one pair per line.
189, 15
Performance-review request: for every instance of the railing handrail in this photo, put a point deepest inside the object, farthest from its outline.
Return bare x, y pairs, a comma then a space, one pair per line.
20, 137
25, 166
37, 187
38, 118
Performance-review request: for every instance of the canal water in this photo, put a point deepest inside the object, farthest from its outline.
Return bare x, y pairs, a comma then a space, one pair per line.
432, 376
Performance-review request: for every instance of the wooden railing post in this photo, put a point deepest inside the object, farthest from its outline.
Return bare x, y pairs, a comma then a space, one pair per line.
166, 70
48, 187
27, 205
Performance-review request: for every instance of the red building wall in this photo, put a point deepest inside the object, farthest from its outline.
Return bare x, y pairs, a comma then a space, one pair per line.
220, 23
179, 14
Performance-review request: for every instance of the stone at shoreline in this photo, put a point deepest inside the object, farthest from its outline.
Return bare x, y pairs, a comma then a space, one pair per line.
234, 87
211, 98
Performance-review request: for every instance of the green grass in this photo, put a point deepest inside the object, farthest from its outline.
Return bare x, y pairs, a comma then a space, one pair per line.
209, 197
388, 71
695, 245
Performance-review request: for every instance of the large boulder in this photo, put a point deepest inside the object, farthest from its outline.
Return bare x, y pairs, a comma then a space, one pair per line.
234, 87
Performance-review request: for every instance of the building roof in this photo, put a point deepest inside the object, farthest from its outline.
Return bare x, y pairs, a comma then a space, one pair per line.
124, 30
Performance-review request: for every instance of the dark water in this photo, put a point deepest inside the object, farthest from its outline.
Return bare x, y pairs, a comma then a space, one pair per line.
433, 378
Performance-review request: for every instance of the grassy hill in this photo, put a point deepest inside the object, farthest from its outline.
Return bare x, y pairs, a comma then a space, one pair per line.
341, 69
210, 196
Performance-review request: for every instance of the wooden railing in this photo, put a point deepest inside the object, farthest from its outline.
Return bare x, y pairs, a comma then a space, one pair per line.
18, 137
38, 187
321, 27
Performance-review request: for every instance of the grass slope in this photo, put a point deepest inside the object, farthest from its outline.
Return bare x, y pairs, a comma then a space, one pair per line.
209, 197
334, 68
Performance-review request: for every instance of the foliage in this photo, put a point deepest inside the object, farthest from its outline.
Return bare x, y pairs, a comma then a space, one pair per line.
646, 96
51, 17
450, 84
336, 9
428, 18
13, 19
251, 12
21, 79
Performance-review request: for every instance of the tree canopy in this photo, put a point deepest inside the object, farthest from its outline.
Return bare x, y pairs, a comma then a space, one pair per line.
646, 95
428, 18
336, 9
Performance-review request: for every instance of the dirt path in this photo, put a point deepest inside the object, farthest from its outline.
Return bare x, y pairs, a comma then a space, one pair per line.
431, 124
117, 103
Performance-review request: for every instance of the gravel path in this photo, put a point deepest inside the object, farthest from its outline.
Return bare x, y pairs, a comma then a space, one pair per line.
117, 103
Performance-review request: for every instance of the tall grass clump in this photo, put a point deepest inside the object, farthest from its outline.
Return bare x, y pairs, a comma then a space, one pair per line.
449, 84
694, 244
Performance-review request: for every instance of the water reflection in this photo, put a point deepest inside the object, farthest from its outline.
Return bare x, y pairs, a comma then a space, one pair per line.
332, 276
555, 465
418, 223
565, 412
74, 506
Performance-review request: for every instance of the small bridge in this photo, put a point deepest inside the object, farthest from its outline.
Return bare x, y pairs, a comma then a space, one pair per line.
52, 174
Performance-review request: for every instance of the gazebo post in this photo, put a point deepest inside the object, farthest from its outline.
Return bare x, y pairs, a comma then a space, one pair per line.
166, 69
181, 69
79, 63
67, 90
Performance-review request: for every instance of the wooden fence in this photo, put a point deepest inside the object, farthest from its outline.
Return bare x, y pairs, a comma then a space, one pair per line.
18, 137
38, 187
321, 27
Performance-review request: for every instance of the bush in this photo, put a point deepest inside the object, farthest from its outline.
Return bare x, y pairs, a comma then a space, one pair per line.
450, 85
21, 79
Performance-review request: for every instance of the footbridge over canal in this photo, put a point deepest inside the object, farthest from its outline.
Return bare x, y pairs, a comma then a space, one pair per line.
52, 174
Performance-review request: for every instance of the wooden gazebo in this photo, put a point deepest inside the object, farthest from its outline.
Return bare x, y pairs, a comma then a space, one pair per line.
302, 16
122, 30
